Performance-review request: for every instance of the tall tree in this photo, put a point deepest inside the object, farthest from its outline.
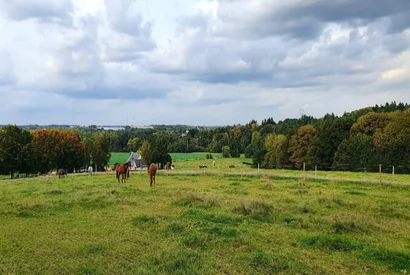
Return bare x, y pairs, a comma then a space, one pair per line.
100, 150
46, 146
257, 149
393, 141
300, 144
71, 154
355, 153
330, 132
160, 148
15, 151
277, 155
146, 153
133, 144
369, 123
226, 152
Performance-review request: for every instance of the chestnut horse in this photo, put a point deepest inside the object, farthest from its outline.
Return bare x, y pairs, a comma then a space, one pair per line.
122, 169
152, 171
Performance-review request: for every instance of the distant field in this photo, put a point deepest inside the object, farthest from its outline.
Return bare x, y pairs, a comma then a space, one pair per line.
203, 224
118, 158
122, 157
192, 156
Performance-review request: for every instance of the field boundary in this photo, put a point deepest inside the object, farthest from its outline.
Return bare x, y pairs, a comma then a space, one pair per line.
284, 176
241, 174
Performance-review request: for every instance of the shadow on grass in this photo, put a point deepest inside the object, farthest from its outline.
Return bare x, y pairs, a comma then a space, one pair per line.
395, 260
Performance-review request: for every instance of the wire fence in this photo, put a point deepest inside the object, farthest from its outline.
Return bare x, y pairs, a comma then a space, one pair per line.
307, 170
391, 169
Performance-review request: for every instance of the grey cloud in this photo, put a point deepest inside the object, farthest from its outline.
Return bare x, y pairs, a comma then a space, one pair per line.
42, 10
344, 10
400, 22
305, 19
78, 52
129, 34
262, 39
124, 17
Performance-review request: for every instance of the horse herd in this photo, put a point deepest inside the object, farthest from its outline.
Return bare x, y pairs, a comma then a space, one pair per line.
123, 171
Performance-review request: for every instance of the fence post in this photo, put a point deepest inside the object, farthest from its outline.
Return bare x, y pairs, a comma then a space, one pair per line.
304, 171
258, 167
315, 170
393, 172
380, 172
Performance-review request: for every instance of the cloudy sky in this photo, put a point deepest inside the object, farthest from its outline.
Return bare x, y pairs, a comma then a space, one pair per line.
201, 62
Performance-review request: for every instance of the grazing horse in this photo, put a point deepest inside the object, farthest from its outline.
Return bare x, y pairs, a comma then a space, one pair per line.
61, 173
122, 169
231, 166
152, 171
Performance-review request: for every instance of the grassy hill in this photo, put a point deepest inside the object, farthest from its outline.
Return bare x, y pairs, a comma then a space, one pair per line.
203, 224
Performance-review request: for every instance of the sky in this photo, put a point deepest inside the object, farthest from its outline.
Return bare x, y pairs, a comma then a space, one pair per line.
206, 62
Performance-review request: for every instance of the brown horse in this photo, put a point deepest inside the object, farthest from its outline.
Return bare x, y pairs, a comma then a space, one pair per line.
61, 173
152, 171
122, 169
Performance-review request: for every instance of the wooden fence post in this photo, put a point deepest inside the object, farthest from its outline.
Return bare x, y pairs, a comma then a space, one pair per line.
315, 170
380, 172
393, 172
304, 171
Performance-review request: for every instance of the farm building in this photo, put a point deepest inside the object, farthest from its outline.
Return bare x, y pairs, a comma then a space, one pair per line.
135, 160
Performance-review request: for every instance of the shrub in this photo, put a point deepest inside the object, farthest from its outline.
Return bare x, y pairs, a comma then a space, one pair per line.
226, 152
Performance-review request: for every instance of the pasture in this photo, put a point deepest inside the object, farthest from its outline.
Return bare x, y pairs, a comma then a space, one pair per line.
118, 157
192, 156
121, 157
193, 223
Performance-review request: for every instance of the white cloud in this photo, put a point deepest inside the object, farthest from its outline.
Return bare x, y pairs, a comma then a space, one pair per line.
395, 74
199, 62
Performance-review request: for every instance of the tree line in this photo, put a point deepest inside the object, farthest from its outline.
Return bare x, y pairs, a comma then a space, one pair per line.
40, 151
361, 139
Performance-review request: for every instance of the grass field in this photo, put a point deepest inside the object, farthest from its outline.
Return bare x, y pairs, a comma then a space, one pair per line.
192, 156
203, 224
118, 157
176, 157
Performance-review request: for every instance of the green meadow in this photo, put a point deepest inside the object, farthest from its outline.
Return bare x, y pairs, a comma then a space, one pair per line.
204, 221
118, 157
121, 157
